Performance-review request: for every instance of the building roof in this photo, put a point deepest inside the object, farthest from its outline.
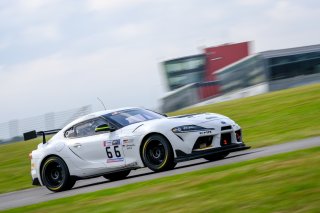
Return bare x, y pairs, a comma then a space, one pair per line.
183, 58
167, 94
291, 51
234, 64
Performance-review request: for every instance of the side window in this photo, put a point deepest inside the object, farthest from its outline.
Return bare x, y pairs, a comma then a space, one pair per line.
88, 128
69, 133
83, 129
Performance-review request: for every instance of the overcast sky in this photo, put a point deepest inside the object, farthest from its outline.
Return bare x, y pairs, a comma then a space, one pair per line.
62, 54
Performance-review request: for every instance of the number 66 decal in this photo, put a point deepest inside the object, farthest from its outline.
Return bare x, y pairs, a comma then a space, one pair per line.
116, 152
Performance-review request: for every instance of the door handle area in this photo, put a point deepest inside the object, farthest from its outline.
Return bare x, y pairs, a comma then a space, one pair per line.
77, 145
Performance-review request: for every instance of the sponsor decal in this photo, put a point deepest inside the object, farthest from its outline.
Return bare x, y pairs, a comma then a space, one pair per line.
115, 160
111, 143
116, 142
128, 143
129, 146
205, 132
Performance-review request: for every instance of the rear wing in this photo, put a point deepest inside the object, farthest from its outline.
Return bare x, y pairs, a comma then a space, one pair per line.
33, 134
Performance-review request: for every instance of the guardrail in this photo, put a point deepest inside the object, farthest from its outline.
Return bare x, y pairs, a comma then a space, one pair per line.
13, 130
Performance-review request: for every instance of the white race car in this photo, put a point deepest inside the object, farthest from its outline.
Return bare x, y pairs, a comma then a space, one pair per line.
111, 143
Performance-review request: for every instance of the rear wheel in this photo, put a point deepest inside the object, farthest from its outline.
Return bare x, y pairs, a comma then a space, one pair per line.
55, 175
216, 156
117, 175
157, 153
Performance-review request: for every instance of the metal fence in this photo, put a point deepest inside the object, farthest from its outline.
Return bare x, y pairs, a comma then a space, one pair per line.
14, 129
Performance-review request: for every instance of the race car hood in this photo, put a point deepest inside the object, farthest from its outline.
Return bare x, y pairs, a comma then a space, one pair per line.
199, 118
207, 120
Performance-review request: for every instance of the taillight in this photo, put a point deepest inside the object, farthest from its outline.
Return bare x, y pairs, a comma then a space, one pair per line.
30, 155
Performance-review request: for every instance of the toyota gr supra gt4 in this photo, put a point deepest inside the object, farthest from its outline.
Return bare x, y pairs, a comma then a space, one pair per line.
111, 143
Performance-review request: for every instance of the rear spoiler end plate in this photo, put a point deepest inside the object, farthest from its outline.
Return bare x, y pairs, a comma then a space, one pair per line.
34, 134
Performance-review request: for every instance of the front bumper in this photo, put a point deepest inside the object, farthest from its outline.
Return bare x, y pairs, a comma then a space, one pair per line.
181, 156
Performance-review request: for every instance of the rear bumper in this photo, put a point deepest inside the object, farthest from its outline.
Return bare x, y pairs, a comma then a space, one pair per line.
181, 156
36, 182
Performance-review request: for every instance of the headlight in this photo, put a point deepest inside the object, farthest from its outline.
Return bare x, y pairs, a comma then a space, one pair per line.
188, 128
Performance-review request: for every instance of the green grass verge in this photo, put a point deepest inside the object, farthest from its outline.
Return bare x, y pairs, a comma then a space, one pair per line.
15, 165
272, 118
281, 183
266, 119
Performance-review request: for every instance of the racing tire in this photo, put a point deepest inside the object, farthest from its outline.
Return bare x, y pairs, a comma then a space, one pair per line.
55, 175
215, 157
117, 175
157, 153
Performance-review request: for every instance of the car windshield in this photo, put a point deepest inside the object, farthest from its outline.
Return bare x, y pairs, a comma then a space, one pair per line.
131, 116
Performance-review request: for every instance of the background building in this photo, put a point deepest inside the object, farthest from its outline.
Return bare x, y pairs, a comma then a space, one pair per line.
280, 69
193, 79
230, 71
245, 73
183, 71
218, 58
292, 67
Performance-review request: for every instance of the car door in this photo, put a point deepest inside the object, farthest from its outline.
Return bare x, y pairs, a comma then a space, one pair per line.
98, 148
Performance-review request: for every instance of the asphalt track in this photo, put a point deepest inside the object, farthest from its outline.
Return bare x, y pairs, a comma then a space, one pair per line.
40, 194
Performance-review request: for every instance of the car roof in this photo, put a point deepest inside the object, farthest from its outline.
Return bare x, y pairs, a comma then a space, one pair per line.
96, 114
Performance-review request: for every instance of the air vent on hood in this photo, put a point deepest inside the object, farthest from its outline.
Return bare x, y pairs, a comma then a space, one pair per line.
184, 116
225, 128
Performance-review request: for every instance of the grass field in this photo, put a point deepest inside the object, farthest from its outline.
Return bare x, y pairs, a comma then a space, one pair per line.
15, 165
266, 119
281, 183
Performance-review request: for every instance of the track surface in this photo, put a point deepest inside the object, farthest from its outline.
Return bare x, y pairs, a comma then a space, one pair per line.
40, 194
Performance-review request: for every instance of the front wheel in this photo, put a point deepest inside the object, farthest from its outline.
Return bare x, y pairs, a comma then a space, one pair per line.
157, 153
117, 175
55, 175
215, 157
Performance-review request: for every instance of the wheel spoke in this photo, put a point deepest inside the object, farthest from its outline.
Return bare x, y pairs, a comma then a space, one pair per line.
54, 174
155, 152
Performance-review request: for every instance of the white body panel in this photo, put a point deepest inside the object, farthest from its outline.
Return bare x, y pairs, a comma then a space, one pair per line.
87, 156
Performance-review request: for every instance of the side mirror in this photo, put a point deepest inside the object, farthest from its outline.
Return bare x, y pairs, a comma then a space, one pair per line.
104, 128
